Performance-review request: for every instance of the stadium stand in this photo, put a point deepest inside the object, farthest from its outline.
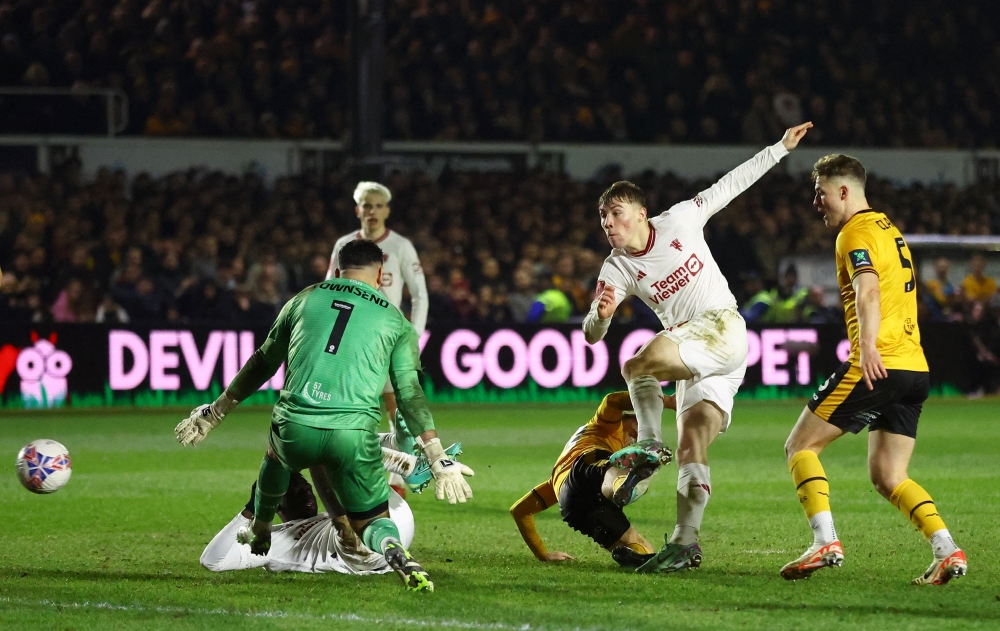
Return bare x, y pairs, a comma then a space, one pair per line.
203, 246
706, 71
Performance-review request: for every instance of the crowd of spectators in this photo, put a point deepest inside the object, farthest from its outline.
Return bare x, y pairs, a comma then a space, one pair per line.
199, 246
915, 74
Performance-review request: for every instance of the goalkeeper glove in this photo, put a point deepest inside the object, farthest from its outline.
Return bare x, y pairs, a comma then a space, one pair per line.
203, 419
448, 474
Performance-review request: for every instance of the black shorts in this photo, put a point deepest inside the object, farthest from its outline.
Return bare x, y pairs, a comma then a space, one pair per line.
893, 406
583, 506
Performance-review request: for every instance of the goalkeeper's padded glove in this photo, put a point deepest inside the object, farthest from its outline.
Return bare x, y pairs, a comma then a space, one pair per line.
203, 419
448, 474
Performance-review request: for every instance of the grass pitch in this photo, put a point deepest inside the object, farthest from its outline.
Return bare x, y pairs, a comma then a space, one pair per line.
118, 547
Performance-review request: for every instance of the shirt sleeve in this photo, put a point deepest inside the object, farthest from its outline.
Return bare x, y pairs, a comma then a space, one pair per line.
413, 277
856, 253
611, 408
266, 360
404, 374
594, 328
715, 198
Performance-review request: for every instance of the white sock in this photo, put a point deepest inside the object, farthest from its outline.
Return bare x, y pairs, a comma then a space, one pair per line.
397, 463
942, 544
397, 480
388, 440
823, 530
647, 400
694, 488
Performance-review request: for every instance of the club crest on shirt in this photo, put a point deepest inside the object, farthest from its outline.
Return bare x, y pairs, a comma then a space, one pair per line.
676, 244
860, 258
698, 200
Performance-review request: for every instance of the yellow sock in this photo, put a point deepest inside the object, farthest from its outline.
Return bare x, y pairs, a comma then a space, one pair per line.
913, 501
810, 482
638, 547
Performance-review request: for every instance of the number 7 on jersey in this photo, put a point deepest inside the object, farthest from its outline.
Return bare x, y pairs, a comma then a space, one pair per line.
344, 311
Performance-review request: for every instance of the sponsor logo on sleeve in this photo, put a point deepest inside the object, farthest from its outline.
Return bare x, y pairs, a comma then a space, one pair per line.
860, 258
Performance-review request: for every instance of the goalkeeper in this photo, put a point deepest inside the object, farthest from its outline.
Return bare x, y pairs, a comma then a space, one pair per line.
589, 491
341, 340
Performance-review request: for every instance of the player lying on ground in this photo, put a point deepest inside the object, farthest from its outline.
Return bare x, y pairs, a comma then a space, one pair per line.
881, 386
400, 268
589, 491
305, 541
666, 262
324, 542
341, 340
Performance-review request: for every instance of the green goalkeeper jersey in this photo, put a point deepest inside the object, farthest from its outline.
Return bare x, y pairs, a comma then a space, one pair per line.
341, 339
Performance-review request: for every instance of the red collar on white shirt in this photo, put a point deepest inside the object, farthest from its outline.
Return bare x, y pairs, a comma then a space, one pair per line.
649, 242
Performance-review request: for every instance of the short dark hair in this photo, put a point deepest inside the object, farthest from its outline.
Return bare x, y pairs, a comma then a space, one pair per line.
840, 165
359, 253
299, 502
624, 191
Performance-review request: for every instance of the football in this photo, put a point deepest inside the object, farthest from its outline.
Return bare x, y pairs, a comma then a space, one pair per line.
43, 466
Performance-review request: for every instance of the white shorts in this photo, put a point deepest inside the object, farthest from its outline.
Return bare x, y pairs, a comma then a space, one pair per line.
713, 345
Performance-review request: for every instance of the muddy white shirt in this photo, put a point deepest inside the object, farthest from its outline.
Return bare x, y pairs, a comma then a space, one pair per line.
400, 267
304, 545
676, 274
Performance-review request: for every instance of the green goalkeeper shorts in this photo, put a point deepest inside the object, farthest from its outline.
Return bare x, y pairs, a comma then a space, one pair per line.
352, 457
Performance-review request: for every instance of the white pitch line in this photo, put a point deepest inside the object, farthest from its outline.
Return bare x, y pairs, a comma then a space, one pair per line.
348, 617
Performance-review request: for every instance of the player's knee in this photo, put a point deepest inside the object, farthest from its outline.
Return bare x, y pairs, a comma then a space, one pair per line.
884, 481
633, 367
792, 447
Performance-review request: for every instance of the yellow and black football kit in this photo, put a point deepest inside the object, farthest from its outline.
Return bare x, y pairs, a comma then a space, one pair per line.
870, 244
575, 483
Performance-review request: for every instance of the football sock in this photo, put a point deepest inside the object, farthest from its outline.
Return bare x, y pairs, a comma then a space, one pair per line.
942, 544
638, 547
388, 440
694, 488
378, 532
397, 463
272, 483
913, 501
647, 400
813, 490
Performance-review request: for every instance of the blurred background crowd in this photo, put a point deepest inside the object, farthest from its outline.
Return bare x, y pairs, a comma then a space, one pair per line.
703, 71
203, 246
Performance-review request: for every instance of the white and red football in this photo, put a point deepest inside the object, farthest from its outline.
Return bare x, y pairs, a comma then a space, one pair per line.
43, 466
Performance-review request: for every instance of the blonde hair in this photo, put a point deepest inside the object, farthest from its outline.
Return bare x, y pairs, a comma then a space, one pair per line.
364, 188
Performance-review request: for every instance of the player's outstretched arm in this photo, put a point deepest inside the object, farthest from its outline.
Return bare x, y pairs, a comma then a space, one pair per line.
404, 363
262, 365
718, 196
535, 501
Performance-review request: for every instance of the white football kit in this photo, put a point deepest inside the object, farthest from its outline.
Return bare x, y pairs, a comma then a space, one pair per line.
305, 545
400, 267
678, 278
